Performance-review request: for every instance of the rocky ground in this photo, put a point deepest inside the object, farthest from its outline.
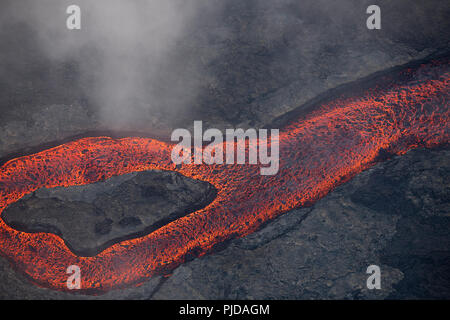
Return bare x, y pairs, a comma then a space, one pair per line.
256, 62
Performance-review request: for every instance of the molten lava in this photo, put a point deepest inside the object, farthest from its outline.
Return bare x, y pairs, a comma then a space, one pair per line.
317, 152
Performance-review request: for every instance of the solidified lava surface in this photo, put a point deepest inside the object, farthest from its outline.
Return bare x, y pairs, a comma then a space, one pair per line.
318, 151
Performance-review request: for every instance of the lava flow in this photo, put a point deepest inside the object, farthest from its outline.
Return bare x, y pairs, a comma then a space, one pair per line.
318, 151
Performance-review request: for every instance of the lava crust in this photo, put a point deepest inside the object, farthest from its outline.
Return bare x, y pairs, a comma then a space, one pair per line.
92, 217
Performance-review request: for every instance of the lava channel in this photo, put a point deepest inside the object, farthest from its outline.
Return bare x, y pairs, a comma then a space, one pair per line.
318, 151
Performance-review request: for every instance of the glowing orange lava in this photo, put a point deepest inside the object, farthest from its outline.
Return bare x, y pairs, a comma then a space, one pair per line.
317, 152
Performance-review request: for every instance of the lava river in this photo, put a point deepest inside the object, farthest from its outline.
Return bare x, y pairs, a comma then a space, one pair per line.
318, 151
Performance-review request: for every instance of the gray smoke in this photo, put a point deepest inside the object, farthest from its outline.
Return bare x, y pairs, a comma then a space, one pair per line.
130, 54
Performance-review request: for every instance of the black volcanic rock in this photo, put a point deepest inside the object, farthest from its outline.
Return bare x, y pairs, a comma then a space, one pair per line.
89, 218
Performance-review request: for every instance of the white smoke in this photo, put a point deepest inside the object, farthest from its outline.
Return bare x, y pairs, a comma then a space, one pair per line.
129, 52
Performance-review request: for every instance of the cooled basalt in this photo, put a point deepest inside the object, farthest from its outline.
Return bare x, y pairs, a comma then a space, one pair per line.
92, 217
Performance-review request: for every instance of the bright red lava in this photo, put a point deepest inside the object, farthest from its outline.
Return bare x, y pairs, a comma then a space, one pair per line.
317, 152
